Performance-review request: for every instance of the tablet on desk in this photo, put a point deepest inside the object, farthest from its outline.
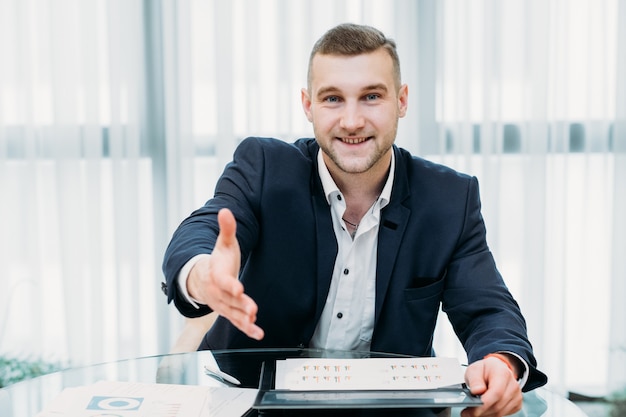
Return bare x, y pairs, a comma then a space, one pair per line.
375, 392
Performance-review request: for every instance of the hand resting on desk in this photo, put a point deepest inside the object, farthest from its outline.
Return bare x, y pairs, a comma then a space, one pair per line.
498, 387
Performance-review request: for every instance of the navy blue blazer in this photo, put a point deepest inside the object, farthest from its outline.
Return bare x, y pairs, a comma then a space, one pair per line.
432, 252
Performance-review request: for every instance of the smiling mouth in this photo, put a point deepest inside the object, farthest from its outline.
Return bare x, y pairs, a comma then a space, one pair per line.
354, 141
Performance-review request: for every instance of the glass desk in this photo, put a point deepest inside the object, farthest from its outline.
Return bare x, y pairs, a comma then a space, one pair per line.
27, 398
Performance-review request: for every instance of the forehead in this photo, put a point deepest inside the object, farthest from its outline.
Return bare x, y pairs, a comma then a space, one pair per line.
349, 72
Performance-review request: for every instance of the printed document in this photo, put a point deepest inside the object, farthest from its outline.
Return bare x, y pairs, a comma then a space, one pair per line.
130, 399
367, 374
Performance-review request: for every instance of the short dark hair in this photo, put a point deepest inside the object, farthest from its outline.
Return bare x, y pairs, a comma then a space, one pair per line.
350, 39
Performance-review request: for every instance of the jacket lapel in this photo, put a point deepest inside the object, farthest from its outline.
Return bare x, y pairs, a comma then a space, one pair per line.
326, 250
393, 223
325, 236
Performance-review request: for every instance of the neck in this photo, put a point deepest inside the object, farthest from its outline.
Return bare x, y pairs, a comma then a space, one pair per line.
360, 192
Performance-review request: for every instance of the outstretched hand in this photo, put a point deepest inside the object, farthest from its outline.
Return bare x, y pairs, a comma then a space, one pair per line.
214, 280
500, 392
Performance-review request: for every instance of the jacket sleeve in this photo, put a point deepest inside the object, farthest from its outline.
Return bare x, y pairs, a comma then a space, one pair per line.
483, 313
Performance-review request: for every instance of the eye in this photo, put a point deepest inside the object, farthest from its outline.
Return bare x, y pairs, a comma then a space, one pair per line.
331, 99
372, 97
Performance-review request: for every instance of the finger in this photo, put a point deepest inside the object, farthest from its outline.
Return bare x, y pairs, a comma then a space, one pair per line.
226, 285
503, 397
236, 315
225, 261
243, 316
228, 227
510, 407
493, 400
500, 408
241, 310
515, 399
469, 412
241, 305
474, 379
253, 331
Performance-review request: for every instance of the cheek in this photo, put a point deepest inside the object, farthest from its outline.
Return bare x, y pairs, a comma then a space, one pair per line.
382, 119
324, 120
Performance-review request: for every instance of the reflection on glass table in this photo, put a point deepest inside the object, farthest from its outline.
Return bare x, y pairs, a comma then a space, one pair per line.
27, 398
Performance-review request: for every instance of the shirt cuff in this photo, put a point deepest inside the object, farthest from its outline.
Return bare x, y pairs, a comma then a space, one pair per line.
524, 377
183, 275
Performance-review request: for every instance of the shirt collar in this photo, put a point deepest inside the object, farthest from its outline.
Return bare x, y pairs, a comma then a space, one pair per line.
331, 189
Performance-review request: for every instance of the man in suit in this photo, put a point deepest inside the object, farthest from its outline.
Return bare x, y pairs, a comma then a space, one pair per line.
346, 241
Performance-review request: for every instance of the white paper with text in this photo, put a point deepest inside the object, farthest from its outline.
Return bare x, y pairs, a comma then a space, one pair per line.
317, 374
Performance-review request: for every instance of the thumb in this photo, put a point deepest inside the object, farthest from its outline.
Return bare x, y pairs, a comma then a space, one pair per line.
474, 378
228, 228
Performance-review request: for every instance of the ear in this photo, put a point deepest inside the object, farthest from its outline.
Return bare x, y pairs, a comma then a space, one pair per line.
403, 100
306, 104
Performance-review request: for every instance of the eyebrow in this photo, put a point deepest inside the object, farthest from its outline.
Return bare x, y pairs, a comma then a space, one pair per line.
372, 87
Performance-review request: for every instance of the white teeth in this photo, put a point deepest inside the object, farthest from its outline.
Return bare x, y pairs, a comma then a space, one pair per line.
353, 141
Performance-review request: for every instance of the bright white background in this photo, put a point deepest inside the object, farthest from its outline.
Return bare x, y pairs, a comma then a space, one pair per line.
116, 118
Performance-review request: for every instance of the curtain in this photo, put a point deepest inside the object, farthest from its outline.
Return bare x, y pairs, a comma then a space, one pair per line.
77, 244
117, 117
526, 99
617, 329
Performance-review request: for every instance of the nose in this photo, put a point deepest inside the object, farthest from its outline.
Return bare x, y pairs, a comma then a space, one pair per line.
352, 118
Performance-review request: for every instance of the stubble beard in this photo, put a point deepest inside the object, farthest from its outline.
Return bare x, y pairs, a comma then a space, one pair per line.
354, 165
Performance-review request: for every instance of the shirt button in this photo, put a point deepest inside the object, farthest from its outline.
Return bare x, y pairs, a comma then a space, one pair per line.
346, 271
339, 197
339, 315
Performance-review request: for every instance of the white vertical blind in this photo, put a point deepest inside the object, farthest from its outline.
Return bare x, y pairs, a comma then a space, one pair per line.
77, 248
526, 96
617, 339
117, 116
